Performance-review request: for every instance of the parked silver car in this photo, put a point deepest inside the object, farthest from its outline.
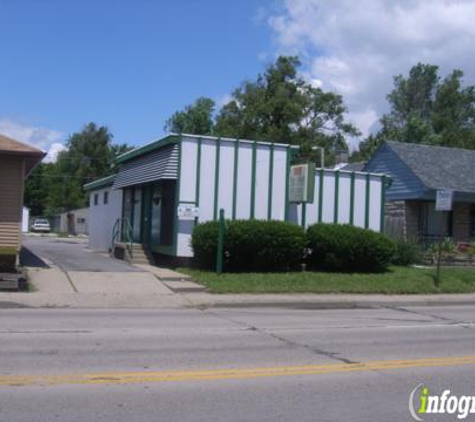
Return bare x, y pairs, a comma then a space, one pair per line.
40, 225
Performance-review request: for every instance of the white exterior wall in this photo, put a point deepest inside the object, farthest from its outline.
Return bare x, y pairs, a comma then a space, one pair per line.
346, 214
217, 175
102, 217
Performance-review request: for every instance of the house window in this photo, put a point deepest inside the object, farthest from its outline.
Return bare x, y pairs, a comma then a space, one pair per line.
435, 223
106, 198
96, 199
472, 222
81, 220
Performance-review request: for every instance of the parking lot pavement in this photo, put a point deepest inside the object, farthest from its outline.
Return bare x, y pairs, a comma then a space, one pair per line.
73, 255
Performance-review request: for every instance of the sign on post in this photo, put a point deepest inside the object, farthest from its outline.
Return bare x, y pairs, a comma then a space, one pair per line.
302, 183
444, 200
188, 212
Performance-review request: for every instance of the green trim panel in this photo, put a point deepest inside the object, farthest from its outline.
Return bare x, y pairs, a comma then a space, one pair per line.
337, 197
352, 199
287, 181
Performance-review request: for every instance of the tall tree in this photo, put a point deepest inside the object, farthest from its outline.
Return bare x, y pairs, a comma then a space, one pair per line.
89, 155
426, 109
196, 118
280, 106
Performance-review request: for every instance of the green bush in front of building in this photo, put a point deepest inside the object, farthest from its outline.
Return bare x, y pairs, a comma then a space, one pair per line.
250, 245
7, 260
407, 253
345, 248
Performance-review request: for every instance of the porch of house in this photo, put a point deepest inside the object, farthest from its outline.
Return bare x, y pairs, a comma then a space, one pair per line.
418, 221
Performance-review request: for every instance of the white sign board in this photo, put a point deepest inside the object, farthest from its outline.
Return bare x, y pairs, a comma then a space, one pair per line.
301, 182
188, 212
444, 200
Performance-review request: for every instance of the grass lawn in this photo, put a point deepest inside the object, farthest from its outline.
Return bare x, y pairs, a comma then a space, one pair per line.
398, 280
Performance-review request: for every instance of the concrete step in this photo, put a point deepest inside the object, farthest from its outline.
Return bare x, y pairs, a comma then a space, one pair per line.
183, 286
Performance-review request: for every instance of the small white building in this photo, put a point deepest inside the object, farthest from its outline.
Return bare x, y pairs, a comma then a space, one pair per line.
105, 207
25, 220
163, 189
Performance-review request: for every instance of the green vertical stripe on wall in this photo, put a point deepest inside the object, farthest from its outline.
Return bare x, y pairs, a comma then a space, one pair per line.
287, 181
271, 182
337, 197
253, 180
235, 176
216, 179
352, 199
367, 197
198, 173
320, 196
304, 215
383, 202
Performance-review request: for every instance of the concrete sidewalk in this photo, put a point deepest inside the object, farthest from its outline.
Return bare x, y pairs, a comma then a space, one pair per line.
53, 287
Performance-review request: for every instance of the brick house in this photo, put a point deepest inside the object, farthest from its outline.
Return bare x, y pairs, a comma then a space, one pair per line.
417, 172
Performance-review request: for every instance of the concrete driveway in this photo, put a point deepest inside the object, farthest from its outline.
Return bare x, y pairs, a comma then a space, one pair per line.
78, 277
71, 254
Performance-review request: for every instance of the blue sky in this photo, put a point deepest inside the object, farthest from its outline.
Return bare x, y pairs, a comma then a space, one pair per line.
130, 64
125, 64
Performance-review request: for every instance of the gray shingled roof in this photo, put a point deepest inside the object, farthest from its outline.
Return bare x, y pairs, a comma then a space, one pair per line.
439, 167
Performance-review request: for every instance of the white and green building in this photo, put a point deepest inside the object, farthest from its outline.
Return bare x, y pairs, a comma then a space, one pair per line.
168, 186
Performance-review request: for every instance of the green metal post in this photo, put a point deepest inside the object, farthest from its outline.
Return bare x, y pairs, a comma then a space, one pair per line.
220, 252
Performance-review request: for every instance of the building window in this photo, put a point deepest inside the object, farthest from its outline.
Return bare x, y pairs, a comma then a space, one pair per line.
81, 220
106, 198
96, 199
472, 222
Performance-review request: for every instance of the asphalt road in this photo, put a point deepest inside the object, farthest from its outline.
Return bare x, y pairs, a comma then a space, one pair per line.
71, 255
230, 364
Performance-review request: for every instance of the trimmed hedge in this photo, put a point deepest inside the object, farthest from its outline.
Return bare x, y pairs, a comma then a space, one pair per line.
250, 245
7, 260
346, 248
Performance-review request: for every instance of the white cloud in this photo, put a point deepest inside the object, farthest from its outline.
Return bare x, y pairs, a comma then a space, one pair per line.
355, 48
40, 137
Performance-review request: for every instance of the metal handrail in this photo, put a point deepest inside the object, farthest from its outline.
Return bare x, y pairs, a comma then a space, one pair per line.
122, 232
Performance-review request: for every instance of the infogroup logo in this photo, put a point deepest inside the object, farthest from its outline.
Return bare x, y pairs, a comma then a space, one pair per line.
422, 403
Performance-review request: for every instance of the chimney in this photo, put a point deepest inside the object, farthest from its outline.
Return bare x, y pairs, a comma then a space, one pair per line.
341, 158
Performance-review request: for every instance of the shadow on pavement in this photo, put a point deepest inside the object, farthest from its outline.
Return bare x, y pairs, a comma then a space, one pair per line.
29, 259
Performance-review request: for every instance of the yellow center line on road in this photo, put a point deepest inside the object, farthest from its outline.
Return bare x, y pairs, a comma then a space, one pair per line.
222, 374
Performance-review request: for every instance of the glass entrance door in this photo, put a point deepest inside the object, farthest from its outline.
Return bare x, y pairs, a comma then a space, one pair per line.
156, 215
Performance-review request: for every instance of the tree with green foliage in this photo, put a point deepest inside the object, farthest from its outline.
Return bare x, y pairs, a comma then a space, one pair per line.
196, 118
279, 106
58, 187
424, 108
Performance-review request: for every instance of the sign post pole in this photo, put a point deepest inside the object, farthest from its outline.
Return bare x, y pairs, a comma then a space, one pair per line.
443, 203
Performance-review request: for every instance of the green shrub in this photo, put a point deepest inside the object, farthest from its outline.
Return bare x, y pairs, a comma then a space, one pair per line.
7, 260
250, 245
347, 248
204, 242
407, 253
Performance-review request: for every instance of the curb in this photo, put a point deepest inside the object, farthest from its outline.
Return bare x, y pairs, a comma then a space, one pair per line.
308, 305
